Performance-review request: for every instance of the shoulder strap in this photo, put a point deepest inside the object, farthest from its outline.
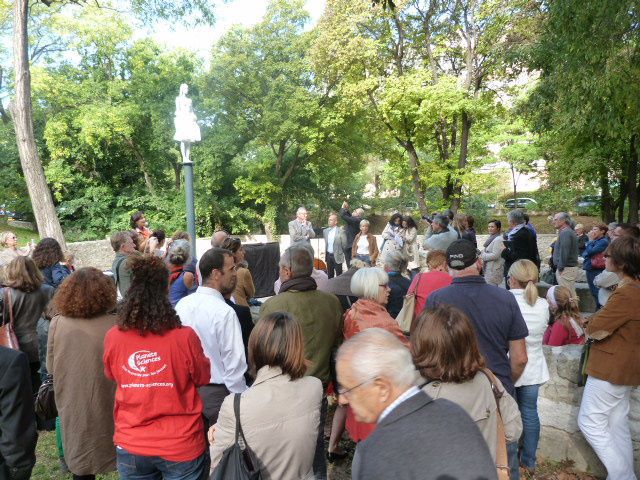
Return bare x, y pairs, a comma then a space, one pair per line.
236, 410
413, 292
7, 301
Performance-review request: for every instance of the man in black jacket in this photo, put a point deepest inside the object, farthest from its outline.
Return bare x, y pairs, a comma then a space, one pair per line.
520, 243
352, 228
18, 435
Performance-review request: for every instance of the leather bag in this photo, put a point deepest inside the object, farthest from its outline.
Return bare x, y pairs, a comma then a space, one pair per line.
408, 312
502, 459
8, 337
237, 463
45, 402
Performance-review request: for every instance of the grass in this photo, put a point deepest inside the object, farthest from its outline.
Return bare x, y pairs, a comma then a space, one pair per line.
24, 235
47, 462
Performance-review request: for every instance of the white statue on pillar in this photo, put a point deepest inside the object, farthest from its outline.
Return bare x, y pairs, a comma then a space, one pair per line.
185, 121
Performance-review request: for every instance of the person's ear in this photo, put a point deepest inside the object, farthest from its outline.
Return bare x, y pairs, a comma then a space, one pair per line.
384, 387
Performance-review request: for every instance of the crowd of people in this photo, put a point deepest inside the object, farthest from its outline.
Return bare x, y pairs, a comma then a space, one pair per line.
159, 366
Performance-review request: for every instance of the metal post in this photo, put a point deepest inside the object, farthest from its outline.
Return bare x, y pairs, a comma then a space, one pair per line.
190, 201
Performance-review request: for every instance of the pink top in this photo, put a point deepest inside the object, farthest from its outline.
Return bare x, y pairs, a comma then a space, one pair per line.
557, 335
427, 283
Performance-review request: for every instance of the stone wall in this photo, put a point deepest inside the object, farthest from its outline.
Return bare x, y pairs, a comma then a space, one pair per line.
558, 406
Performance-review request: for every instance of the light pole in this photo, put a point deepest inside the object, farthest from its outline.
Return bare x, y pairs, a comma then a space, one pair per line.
187, 166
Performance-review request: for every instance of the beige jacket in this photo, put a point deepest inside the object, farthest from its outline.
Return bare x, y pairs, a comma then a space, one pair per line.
476, 398
280, 419
493, 261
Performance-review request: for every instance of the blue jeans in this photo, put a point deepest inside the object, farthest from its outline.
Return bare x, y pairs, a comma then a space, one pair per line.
512, 456
591, 274
527, 398
365, 258
139, 467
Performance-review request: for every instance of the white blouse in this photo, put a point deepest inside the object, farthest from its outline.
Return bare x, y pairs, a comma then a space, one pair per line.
536, 317
363, 246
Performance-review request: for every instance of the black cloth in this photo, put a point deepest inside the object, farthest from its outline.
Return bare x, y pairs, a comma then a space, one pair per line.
398, 446
212, 396
246, 322
470, 235
18, 435
347, 256
582, 243
352, 227
522, 245
299, 284
333, 268
340, 286
399, 286
262, 260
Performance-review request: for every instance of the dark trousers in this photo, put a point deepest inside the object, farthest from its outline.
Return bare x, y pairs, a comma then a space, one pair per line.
347, 256
212, 396
333, 269
319, 460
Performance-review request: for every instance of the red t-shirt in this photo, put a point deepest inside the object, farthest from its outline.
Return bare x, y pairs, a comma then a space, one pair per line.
557, 335
158, 411
427, 283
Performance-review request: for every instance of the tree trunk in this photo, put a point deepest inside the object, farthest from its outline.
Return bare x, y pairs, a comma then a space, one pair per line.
632, 182
21, 110
415, 177
462, 161
607, 207
138, 154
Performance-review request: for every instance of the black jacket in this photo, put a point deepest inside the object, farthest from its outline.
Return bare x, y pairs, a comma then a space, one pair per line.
352, 227
523, 245
18, 435
399, 286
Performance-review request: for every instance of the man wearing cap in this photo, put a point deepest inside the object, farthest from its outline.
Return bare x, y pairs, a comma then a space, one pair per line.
495, 316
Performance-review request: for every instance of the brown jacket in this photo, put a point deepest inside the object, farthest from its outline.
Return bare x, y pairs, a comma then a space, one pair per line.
373, 247
615, 355
84, 396
244, 287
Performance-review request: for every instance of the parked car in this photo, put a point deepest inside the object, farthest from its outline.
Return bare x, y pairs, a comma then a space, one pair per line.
588, 201
520, 202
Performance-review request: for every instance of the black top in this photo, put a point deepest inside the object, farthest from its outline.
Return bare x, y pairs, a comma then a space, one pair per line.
352, 227
399, 286
18, 435
522, 245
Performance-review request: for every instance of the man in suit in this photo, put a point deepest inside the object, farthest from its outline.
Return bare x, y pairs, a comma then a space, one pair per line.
352, 221
335, 240
18, 435
300, 229
415, 436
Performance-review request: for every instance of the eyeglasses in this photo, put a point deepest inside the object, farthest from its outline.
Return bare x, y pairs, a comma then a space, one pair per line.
343, 391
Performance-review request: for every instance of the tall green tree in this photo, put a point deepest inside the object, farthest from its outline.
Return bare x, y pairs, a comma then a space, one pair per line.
284, 133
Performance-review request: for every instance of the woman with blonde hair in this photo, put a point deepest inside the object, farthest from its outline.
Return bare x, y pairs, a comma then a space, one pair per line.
27, 295
565, 325
10, 250
523, 278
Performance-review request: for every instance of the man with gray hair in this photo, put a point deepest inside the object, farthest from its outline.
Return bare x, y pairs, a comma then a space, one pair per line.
320, 316
377, 378
565, 253
218, 237
438, 235
300, 229
519, 242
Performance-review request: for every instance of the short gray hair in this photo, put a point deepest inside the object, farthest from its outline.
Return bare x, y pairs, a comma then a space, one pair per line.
364, 222
377, 353
515, 216
179, 252
564, 216
366, 282
358, 212
396, 261
299, 260
301, 209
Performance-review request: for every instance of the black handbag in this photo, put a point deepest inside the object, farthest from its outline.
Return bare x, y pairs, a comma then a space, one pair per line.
584, 358
237, 463
45, 402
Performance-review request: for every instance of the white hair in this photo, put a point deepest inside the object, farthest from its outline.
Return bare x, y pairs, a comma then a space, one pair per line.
300, 210
365, 282
395, 261
364, 222
377, 353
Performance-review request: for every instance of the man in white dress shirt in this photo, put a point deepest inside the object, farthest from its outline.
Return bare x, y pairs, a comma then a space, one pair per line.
217, 325
335, 241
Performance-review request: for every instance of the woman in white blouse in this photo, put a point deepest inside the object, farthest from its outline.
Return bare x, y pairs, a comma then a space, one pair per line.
522, 278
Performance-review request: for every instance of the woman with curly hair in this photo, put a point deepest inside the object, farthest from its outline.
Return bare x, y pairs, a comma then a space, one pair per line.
48, 255
157, 365
181, 282
393, 235
84, 306
27, 296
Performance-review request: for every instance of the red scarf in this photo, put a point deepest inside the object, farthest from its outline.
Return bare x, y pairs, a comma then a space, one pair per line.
174, 274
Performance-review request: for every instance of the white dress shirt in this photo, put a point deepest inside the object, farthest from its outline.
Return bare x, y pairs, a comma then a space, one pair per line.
405, 396
331, 237
218, 327
537, 318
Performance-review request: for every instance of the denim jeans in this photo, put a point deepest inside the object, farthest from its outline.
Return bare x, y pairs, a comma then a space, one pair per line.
527, 398
365, 258
139, 467
512, 456
591, 274
319, 460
